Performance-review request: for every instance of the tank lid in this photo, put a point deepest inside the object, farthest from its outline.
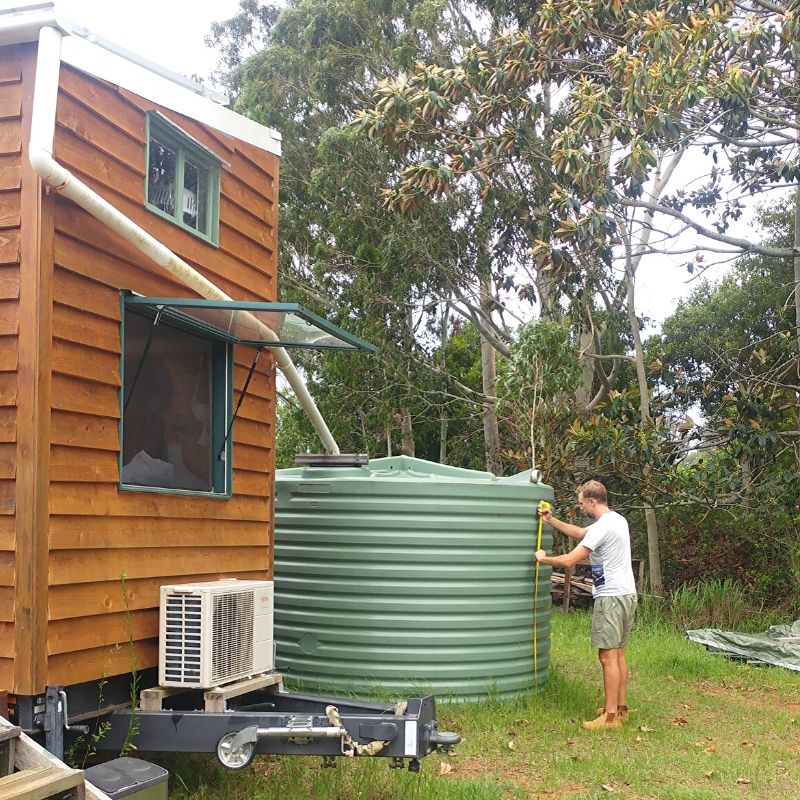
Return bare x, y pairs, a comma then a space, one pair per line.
403, 468
331, 459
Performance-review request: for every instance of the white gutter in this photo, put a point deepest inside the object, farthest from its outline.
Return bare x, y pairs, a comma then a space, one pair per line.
24, 23
43, 124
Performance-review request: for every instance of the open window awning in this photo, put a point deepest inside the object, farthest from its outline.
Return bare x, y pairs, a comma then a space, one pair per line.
252, 323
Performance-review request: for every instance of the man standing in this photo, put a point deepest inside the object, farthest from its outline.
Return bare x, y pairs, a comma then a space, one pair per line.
607, 544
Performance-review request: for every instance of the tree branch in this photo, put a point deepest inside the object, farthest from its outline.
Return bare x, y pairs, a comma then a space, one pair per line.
743, 244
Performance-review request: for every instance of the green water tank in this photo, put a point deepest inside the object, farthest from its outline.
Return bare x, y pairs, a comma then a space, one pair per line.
405, 575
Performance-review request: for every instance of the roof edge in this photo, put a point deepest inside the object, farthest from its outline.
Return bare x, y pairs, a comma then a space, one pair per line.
22, 22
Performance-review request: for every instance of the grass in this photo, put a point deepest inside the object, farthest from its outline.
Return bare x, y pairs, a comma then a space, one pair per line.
701, 728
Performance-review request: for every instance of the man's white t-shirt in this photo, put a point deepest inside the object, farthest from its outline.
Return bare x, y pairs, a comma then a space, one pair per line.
610, 543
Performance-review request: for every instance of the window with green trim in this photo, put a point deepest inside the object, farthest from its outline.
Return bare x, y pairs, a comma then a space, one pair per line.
182, 178
176, 392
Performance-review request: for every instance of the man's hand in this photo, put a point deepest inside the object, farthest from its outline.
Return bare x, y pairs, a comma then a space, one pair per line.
546, 513
540, 555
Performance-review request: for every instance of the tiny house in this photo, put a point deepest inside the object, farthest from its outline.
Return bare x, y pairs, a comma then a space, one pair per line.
126, 194
139, 342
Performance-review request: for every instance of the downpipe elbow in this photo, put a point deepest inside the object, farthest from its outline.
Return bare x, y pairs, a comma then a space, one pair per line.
48, 169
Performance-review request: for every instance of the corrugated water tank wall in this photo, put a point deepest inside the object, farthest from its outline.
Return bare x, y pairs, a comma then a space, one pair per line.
405, 575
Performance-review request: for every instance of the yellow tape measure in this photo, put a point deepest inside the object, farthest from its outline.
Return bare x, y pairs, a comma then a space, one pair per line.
544, 506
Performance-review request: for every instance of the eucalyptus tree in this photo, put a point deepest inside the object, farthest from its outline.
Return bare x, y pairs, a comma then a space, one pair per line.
590, 109
729, 350
541, 370
304, 67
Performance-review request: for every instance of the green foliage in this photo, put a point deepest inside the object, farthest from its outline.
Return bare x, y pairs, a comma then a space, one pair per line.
358, 403
533, 382
737, 329
85, 746
756, 547
633, 75
542, 365
714, 603
293, 434
342, 253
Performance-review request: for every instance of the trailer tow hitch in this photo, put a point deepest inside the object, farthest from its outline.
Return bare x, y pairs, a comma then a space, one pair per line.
236, 749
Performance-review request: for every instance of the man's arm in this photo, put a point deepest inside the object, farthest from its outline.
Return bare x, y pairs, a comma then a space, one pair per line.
580, 553
567, 528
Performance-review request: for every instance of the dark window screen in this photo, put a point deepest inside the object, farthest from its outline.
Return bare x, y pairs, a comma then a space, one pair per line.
167, 422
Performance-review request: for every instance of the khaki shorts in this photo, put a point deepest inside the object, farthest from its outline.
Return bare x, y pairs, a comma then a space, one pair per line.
612, 620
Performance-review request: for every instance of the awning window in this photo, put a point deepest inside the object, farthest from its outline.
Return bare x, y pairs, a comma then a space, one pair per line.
251, 323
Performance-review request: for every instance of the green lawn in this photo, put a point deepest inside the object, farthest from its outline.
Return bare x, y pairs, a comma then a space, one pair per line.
701, 728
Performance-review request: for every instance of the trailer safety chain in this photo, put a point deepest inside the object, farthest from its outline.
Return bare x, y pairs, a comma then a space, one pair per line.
350, 747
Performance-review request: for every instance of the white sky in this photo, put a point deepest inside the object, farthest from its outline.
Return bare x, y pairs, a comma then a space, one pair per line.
171, 33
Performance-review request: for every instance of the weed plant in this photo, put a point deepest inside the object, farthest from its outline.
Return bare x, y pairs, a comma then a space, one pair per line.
702, 728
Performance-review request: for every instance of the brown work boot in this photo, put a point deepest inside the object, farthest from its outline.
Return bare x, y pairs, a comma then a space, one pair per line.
603, 721
622, 714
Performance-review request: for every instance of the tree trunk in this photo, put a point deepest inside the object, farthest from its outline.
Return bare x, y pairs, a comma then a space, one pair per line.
443, 419
584, 394
747, 482
491, 431
653, 552
797, 306
407, 447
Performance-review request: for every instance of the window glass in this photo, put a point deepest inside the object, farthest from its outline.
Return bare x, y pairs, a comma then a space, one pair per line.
163, 169
182, 179
167, 418
195, 196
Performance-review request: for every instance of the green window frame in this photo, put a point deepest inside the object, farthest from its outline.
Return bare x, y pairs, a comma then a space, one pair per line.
182, 179
138, 382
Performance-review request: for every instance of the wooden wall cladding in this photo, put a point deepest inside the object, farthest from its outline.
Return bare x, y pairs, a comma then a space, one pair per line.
97, 532
10, 239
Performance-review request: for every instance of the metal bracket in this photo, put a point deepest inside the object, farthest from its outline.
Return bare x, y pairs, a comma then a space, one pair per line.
54, 721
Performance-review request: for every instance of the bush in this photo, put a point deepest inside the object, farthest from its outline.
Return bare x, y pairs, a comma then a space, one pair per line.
710, 604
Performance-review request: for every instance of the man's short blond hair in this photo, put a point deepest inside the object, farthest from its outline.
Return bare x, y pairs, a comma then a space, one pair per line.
595, 490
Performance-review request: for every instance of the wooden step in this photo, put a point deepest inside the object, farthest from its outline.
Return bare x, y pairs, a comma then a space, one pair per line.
11, 732
29, 755
8, 741
39, 783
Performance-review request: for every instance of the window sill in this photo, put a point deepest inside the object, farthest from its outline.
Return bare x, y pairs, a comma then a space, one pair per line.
131, 488
203, 237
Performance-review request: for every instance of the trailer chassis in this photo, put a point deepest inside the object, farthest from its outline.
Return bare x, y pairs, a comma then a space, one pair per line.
284, 723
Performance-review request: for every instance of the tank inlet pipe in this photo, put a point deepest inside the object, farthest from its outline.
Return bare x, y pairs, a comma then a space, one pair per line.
40, 153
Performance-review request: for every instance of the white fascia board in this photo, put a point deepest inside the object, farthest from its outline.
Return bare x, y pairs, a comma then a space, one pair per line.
115, 69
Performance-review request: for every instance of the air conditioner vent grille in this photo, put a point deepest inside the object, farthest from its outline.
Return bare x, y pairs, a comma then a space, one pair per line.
183, 639
232, 625
212, 633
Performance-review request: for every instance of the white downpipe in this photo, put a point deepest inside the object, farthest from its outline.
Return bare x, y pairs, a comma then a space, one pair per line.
43, 125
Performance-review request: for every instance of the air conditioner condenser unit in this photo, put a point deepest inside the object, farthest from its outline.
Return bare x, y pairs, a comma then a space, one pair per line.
214, 633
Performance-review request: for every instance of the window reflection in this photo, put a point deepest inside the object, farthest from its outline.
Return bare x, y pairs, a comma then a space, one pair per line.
162, 169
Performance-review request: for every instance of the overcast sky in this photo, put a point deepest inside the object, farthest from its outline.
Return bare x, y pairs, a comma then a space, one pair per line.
171, 33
